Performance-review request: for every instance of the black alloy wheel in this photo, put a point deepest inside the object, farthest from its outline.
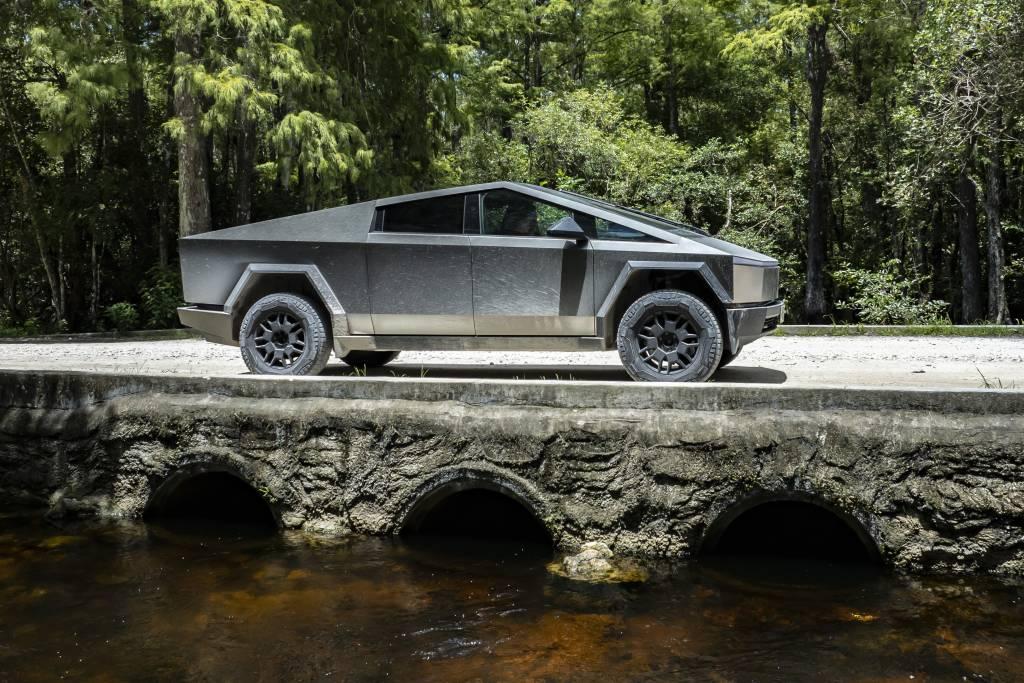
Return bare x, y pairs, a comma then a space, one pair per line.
667, 340
670, 336
284, 334
280, 339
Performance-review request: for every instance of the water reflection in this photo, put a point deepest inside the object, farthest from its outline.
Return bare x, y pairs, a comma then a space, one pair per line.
131, 602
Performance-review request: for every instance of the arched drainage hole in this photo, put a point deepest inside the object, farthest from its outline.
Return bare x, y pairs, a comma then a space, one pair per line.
477, 524
791, 530
214, 504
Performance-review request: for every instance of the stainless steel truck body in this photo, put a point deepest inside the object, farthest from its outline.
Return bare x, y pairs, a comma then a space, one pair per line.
498, 266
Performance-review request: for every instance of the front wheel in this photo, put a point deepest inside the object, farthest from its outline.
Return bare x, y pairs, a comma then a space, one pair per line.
670, 336
284, 334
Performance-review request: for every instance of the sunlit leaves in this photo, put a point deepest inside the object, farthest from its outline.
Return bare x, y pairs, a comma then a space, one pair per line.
317, 151
78, 68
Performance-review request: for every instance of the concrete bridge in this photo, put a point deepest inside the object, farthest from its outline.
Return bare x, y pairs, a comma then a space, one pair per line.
927, 480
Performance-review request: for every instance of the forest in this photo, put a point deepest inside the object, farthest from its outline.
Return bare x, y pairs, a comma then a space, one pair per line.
875, 147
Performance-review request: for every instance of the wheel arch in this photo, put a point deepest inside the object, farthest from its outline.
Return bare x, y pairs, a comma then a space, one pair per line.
642, 277
260, 279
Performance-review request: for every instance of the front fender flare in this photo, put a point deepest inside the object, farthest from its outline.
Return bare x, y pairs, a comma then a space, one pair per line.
604, 313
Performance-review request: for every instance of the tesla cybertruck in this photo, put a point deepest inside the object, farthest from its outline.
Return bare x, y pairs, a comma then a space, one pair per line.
498, 267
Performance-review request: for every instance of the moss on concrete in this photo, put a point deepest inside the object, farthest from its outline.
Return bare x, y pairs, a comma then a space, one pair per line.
933, 478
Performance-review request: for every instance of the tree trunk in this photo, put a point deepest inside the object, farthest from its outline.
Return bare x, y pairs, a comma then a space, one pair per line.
140, 169
244, 154
670, 116
817, 76
970, 265
193, 166
997, 306
95, 276
790, 95
535, 66
935, 254
579, 62
167, 214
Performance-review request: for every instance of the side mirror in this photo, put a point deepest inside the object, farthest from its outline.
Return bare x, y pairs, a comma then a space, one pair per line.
568, 228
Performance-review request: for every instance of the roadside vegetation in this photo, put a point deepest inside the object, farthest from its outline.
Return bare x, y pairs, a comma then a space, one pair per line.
875, 148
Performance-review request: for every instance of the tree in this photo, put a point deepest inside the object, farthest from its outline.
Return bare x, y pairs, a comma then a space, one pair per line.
779, 35
969, 75
872, 138
245, 65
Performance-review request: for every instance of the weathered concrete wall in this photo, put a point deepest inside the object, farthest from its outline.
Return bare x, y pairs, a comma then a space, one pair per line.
934, 478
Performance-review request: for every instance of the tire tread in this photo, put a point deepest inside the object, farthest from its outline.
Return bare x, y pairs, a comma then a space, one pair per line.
708, 357
317, 335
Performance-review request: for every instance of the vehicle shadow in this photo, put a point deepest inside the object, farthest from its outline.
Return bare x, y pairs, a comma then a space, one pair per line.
583, 373
740, 374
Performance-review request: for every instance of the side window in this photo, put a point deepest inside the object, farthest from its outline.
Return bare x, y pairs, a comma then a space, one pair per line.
510, 213
439, 216
607, 230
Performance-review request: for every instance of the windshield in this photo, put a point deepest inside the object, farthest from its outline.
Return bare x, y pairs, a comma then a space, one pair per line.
660, 222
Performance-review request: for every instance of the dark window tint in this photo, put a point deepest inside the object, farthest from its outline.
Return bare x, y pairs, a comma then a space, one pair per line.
472, 214
607, 230
442, 215
510, 213
602, 229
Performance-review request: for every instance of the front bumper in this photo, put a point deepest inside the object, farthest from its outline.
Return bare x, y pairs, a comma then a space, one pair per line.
747, 323
215, 325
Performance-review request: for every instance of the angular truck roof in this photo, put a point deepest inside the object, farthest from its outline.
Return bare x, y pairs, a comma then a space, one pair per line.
353, 222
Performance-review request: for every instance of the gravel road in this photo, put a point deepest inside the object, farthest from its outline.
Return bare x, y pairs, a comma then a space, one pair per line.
793, 361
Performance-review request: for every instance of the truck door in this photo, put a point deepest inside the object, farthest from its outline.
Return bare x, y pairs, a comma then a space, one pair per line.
526, 283
419, 269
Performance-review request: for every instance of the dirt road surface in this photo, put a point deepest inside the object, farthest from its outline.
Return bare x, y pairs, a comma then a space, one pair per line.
792, 361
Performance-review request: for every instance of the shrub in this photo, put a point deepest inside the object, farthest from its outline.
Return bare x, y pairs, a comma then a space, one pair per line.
122, 316
29, 328
886, 297
161, 296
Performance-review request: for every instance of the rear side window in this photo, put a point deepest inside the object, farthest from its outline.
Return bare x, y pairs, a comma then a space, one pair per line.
602, 229
439, 216
607, 230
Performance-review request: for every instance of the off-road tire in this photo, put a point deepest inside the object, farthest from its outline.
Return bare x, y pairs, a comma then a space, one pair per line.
369, 359
273, 330
658, 316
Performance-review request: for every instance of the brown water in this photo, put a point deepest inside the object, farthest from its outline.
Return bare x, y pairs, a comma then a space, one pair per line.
129, 602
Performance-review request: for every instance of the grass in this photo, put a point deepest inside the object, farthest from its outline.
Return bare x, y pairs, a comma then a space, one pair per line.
994, 383
17, 333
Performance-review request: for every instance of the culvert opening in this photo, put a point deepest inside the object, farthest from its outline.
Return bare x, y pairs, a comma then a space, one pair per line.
476, 513
211, 498
791, 529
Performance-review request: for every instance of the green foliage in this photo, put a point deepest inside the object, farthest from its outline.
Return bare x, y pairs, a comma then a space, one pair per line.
888, 297
161, 296
317, 150
122, 316
587, 141
695, 109
29, 328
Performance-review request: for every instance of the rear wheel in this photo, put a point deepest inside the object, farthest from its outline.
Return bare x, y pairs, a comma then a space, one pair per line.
669, 336
369, 359
284, 334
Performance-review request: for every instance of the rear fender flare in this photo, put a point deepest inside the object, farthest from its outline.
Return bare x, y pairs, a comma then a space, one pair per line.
252, 274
